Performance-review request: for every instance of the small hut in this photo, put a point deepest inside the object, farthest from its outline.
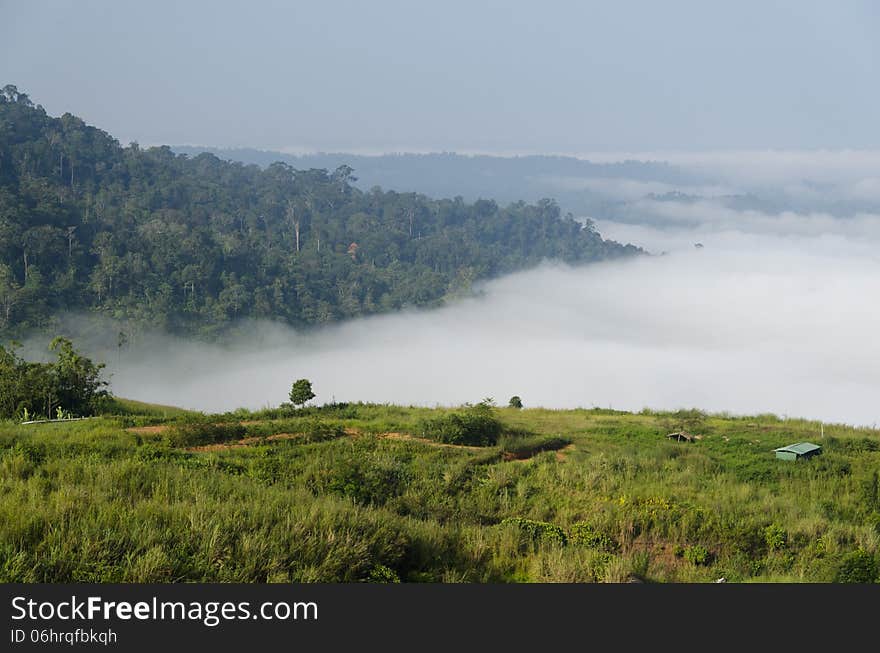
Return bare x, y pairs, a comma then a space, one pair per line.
683, 436
798, 451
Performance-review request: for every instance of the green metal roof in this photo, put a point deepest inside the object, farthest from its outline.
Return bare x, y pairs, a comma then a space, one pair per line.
800, 448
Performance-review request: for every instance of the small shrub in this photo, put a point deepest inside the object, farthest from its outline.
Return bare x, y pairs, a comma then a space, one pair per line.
367, 478
857, 567
316, 430
225, 466
152, 452
476, 426
515, 402
383, 574
584, 534
776, 537
697, 554
194, 433
537, 531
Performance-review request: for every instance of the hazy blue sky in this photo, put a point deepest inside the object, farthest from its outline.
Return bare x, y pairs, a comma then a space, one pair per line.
469, 76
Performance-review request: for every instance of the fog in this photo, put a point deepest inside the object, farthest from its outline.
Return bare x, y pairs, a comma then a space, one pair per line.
774, 313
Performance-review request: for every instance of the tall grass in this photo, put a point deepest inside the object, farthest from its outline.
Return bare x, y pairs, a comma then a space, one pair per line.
90, 501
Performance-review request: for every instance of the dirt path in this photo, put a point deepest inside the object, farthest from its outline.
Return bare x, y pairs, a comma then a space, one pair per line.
561, 454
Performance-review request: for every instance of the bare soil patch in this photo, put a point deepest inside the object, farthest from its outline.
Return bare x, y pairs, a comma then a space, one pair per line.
148, 430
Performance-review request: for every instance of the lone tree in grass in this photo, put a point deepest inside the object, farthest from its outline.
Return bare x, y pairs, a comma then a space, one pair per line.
515, 402
301, 392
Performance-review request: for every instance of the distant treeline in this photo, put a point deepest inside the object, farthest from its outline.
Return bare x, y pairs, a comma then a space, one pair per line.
192, 244
503, 178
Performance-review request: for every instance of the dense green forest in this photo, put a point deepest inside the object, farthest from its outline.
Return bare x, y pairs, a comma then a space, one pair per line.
191, 245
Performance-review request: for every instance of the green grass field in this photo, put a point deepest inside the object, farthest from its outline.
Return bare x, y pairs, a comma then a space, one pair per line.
353, 493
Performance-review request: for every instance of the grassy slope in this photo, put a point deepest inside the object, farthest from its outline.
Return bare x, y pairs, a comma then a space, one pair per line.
90, 501
122, 406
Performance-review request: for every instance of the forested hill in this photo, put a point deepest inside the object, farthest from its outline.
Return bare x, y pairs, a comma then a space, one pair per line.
193, 244
576, 184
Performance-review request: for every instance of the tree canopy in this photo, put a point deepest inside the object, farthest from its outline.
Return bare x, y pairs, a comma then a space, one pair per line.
71, 385
191, 245
301, 392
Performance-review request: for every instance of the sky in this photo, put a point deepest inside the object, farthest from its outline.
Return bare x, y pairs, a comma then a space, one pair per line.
469, 76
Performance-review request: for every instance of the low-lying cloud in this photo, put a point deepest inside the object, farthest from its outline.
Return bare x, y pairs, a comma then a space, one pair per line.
775, 312
775, 330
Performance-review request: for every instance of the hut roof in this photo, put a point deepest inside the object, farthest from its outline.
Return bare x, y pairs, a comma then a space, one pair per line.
800, 448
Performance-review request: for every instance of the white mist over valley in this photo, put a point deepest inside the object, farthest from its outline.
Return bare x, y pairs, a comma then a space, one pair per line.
775, 312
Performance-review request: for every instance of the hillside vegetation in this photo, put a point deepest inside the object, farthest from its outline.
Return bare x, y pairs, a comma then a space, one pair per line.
191, 245
356, 492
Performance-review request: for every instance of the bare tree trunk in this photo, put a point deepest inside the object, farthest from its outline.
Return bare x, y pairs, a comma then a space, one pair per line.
70, 231
25, 266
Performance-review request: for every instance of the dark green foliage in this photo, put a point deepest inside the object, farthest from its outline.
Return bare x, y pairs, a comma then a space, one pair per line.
584, 534
776, 537
363, 474
383, 574
194, 432
697, 554
513, 447
871, 491
194, 244
69, 386
515, 402
34, 454
153, 452
850, 445
475, 426
691, 420
301, 392
316, 430
857, 567
537, 531
829, 464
